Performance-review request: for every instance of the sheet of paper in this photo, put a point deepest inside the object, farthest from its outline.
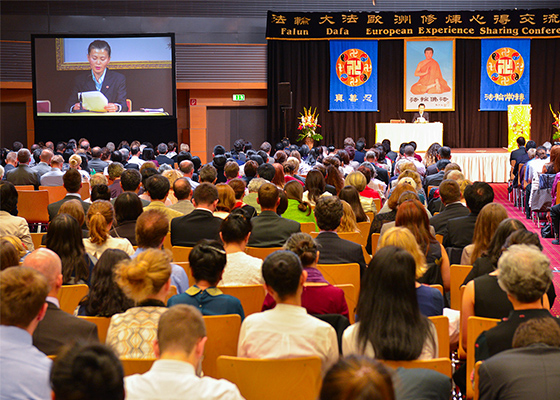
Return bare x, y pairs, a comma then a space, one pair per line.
94, 101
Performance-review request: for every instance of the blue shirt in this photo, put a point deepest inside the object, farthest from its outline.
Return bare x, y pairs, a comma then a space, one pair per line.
98, 84
430, 301
179, 277
24, 371
211, 301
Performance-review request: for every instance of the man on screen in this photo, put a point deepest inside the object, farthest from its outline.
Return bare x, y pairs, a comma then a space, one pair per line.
110, 83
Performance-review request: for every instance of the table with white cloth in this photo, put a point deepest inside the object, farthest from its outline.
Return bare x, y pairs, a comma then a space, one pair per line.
486, 165
423, 134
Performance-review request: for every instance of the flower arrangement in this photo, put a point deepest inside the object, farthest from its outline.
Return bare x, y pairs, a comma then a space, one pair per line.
556, 123
308, 125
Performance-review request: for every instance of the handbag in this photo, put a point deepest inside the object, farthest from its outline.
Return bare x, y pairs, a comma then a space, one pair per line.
546, 231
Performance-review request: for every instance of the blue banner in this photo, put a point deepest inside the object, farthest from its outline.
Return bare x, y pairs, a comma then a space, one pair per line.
504, 74
353, 75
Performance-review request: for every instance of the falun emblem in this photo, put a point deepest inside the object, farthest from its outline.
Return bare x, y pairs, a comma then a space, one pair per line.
505, 66
353, 67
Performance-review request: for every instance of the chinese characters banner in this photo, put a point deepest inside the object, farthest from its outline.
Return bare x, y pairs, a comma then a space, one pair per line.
536, 23
353, 75
504, 74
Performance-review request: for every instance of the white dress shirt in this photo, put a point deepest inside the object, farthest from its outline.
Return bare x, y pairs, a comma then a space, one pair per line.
171, 379
287, 331
96, 250
350, 344
242, 269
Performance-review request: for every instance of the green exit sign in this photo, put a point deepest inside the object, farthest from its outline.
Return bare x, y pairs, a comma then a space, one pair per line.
238, 97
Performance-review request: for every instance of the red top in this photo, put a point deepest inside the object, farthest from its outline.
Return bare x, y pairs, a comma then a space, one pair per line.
370, 193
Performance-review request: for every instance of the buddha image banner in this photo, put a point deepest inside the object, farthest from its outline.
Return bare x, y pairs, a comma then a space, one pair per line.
504, 73
353, 75
429, 75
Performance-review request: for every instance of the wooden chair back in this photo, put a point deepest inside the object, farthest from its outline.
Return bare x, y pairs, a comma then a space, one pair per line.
441, 323
85, 191
69, 296
442, 365
133, 366
308, 227
363, 227
438, 287
250, 296
24, 187
367, 256
475, 326
458, 275
374, 242
102, 326
371, 215
36, 238
288, 378
342, 274
261, 252
439, 238
430, 187
167, 242
32, 205
187, 267
172, 292
477, 380
56, 193
377, 206
351, 298
180, 253
223, 334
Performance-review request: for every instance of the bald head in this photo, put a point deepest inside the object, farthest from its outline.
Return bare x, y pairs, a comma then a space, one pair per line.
186, 167
48, 263
46, 156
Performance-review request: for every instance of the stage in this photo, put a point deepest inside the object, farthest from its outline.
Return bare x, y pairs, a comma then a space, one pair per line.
487, 165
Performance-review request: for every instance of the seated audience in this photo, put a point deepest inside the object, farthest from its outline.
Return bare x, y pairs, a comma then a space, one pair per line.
358, 181
64, 237
318, 296
430, 300
388, 294
85, 372
158, 187
145, 280
226, 200
75, 162
72, 183
105, 298
100, 192
23, 174
486, 224
58, 327
536, 352
9, 255
130, 182
128, 208
207, 261
25, 370
450, 196
352, 197
114, 171
201, 223
287, 330
10, 224
183, 193
241, 268
298, 210
315, 187
348, 222
238, 186
151, 230
179, 348
53, 177
333, 249
100, 220
269, 229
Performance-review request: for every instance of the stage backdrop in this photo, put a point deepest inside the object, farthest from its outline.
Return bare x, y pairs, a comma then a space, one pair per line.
353, 75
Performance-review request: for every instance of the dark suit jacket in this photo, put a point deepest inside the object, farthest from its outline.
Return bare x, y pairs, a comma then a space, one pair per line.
460, 231
163, 159
59, 328
433, 180
334, 250
426, 116
97, 164
114, 88
531, 372
24, 175
127, 230
54, 207
271, 230
431, 169
439, 221
382, 174
189, 229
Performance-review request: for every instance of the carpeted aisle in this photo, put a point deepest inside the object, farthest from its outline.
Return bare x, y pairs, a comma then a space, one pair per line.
552, 251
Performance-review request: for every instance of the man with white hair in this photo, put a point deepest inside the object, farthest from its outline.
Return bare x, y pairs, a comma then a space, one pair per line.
57, 327
11, 161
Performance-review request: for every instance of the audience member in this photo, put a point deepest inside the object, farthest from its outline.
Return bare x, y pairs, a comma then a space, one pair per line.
100, 192
72, 183
105, 298
145, 280
183, 193
128, 208
53, 177
298, 210
9, 256
96, 164
23, 174
179, 348
25, 369
158, 187
333, 249
58, 327
287, 330
450, 195
351, 195
87, 372
226, 200
207, 261
188, 229
115, 171
241, 268
75, 162
10, 224
238, 186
